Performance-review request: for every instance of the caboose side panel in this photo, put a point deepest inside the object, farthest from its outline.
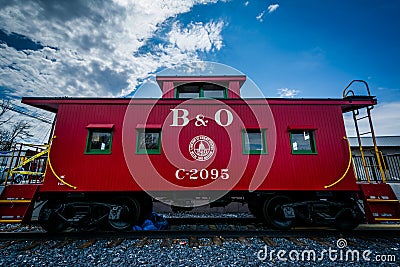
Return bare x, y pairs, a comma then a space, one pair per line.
68, 155
310, 171
289, 171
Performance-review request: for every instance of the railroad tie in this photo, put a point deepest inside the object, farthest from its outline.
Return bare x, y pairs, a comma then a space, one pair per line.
268, 241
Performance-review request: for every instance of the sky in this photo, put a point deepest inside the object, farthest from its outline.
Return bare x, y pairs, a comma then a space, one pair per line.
288, 48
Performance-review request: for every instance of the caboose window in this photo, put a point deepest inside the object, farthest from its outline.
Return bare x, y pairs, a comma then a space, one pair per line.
254, 141
188, 91
148, 141
214, 93
210, 90
201, 90
99, 141
303, 142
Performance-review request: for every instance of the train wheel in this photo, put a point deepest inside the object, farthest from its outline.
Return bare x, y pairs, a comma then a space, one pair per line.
275, 215
346, 219
124, 213
49, 218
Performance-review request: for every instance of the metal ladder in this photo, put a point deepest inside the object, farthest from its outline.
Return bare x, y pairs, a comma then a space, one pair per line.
357, 118
380, 202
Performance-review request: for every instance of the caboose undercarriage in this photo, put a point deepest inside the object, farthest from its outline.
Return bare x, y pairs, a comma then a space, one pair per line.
92, 211
283, 210
280, 210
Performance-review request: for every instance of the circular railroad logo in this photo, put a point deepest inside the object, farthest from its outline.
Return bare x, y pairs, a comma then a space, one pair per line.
201, 148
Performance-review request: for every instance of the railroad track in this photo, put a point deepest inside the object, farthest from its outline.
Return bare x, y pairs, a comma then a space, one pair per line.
382, 239
26, 242
193, 236
207, 227
203, 233
213, 220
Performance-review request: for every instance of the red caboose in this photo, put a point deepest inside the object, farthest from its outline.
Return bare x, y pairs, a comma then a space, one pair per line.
200, 143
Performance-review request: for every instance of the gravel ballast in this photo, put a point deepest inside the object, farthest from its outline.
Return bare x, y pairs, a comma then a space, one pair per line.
232, 252
329, 251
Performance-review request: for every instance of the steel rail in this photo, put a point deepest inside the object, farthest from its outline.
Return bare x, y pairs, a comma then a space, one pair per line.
185, 234
212, 220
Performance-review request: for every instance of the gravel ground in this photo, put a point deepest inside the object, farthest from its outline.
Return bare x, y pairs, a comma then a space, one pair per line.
20, 228
152, 253
177, 252
232, 252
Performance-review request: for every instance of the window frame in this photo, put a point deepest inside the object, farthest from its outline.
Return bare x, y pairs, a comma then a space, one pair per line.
145, 151
89, 151
264, 151
224, 97
201, 92
313, 143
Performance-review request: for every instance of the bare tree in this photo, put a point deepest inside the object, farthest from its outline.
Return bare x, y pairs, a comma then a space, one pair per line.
4, 105
13, 131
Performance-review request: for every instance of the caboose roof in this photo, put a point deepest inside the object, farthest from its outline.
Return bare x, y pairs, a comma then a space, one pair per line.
52, 103
212, 79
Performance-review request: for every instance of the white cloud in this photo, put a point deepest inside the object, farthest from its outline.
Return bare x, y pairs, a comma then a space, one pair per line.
285, 92
199, 36
246, 3
272, 8
260, 16
385, 119
98, 49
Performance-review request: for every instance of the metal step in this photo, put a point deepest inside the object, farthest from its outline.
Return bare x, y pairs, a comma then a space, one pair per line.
363, 117
377, 200
365, 133
16, 201
387, 219
380, 203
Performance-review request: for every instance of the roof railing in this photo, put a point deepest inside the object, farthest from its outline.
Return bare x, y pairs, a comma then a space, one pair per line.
350, 93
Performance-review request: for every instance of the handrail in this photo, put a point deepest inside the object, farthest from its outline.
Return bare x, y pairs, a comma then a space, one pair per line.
52, 169
386, 172
30, 159
46, 151
346, 93
348, 166
15, 169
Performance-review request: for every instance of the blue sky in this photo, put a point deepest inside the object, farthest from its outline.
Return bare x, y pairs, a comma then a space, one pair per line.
303, 48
